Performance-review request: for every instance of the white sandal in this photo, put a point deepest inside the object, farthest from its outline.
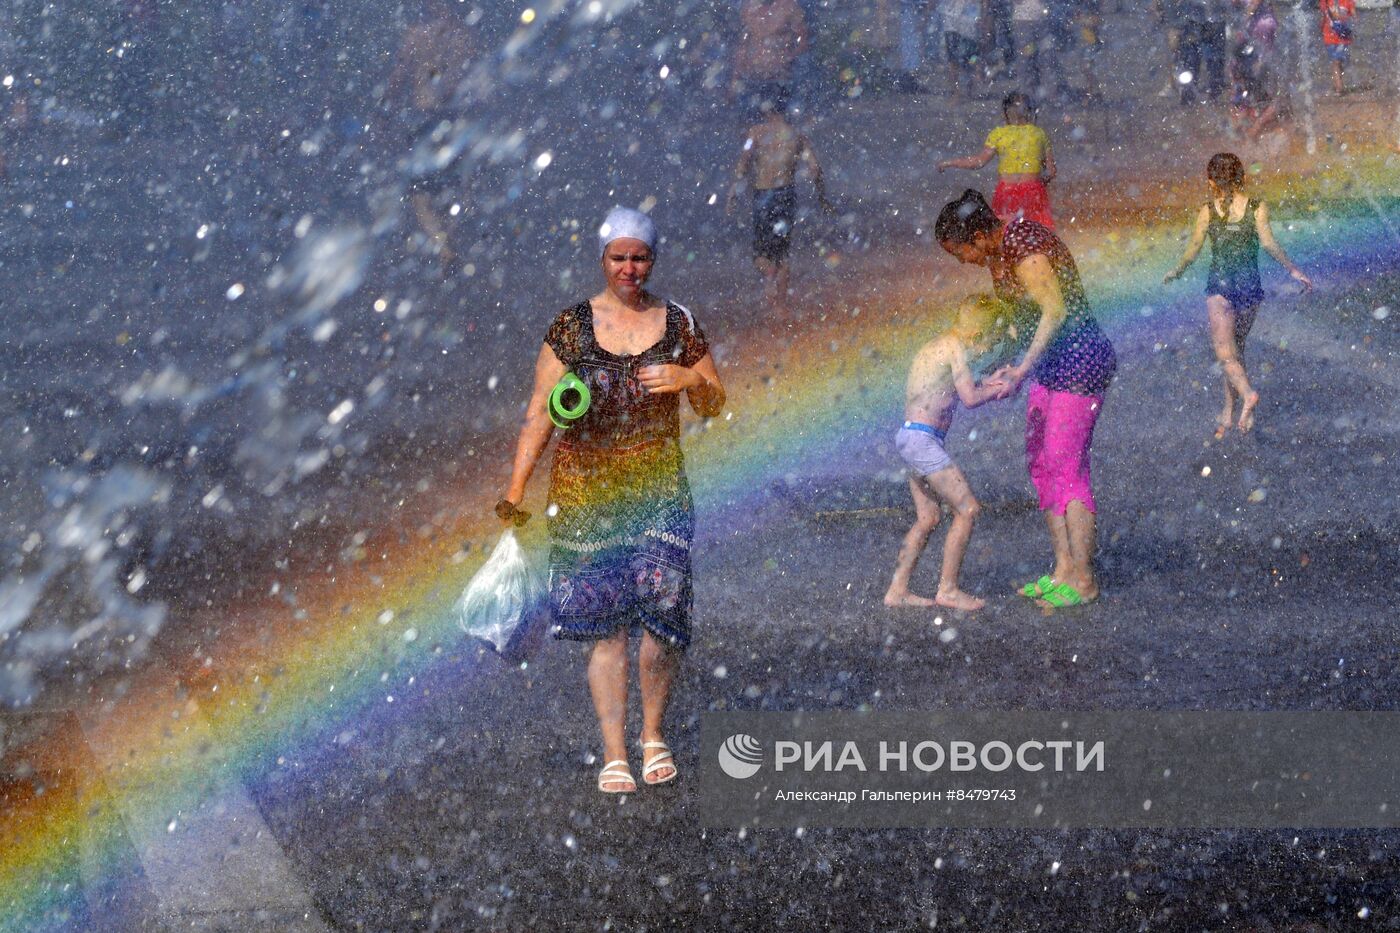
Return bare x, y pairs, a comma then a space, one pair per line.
663, 759
611, 774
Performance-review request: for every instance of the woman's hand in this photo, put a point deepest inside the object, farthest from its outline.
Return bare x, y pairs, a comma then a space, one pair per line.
1008, 379
993, 389
1171, 276
668, 378
1302, 278
508, 512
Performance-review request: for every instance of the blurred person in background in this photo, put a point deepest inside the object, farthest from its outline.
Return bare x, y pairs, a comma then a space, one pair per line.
998, 36
773, 34
962, 31
433, 59
1338, 28
1037, 59
769, 160
1198, 62
1074, 32
1257, 105
133, 57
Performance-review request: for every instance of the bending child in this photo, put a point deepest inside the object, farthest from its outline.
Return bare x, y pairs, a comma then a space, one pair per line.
939, 377
1237, 226
1026, 164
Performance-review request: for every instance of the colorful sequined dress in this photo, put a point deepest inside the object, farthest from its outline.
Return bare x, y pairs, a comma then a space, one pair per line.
621, 519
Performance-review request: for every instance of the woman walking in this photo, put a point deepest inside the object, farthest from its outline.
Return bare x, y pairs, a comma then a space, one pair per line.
621, 522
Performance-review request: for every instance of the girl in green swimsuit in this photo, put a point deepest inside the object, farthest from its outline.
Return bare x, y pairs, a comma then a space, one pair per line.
1237, 225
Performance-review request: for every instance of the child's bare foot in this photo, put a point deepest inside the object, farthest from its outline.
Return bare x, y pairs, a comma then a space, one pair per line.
1247, 412
905, 598
957, 599
1222, 424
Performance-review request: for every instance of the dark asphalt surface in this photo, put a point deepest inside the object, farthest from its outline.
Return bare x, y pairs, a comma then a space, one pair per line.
1210, 602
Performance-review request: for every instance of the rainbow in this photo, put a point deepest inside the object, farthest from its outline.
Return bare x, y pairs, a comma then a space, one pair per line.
363, 640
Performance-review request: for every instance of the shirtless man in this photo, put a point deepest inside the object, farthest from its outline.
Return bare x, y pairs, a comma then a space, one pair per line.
939, 378
768, 164
432, 61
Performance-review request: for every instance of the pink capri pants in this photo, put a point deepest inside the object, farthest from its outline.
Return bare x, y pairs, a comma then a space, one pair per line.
1059, 430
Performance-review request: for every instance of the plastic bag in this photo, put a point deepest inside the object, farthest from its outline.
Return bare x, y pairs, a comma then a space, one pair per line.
506, 604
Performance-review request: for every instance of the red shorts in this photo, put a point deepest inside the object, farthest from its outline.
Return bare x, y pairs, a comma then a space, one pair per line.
1028, 199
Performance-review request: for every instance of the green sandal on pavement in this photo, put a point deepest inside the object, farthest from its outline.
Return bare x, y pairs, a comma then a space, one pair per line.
1039, 588
1062, 595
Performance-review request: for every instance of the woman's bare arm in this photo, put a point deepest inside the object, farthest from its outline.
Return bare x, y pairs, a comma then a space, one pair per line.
707, 399
536, 431
1038, 276
700, 383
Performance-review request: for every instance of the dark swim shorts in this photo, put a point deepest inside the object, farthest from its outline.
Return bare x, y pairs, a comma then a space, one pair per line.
774, 211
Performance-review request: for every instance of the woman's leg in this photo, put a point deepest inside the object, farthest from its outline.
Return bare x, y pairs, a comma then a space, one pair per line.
1082, 532
658, 663
1074, 537
1059, 542
1040, 466
1223, 341
607, 681
1067, 496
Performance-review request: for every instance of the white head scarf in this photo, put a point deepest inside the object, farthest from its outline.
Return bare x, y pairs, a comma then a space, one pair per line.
625, 222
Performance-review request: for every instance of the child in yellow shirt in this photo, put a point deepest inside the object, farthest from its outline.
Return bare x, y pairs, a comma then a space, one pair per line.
1026, 164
